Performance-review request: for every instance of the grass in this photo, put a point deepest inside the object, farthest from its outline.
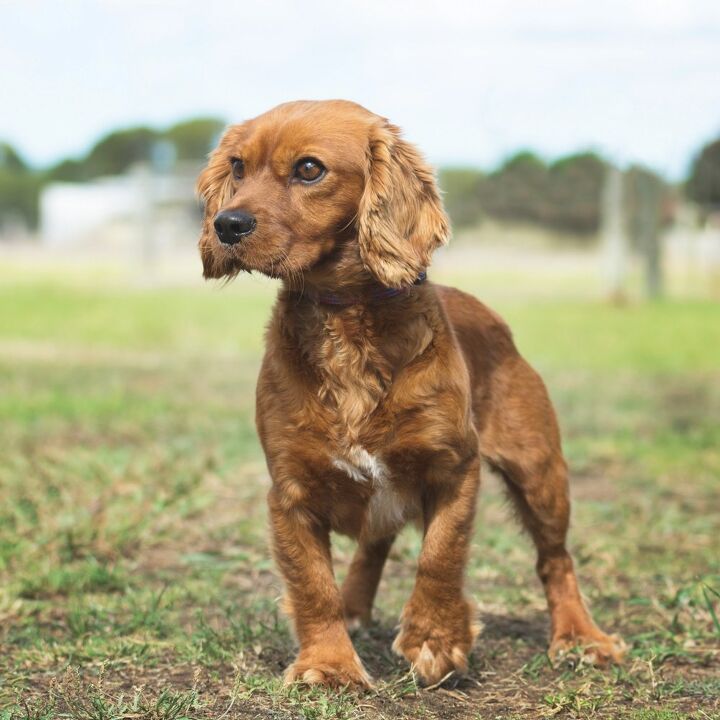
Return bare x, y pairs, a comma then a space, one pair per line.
135, 575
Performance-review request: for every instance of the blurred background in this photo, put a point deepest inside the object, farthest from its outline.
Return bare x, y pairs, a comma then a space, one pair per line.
585, 138
578, 149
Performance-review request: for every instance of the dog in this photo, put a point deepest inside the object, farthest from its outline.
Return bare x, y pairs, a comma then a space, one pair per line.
380, 392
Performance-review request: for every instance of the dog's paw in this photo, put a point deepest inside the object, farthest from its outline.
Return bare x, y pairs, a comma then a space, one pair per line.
357, 617
353, 622
356, 614
436, 645
594, 647
323, 667
432, 660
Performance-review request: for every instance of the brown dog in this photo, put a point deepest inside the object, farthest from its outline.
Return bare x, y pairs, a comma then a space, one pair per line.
379, 393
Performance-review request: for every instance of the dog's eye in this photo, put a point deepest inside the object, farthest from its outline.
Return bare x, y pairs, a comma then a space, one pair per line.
238, 168
309, 170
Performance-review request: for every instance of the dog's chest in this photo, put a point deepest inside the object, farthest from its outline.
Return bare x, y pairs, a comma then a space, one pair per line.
388, 509
356, 367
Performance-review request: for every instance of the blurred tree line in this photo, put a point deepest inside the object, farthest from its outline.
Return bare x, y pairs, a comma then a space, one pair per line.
703, 185
20, 185
564, 195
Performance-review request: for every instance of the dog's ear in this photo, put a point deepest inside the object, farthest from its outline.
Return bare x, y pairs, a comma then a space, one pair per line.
401, 220
214, 186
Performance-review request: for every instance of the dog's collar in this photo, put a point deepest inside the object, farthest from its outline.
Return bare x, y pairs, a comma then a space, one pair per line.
376, 295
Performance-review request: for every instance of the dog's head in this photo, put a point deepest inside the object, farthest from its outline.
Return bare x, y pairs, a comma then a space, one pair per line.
319, 190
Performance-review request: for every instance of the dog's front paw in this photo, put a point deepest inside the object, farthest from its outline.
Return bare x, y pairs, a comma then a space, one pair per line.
595, 647
326, 666
436, 642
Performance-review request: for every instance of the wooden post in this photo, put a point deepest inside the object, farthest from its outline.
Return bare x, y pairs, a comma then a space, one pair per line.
614, 240
649, 196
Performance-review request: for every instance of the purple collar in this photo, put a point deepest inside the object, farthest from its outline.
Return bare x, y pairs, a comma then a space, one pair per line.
376, 295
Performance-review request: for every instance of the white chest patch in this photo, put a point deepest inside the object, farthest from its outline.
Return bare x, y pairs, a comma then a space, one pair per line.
387, 511
361, 466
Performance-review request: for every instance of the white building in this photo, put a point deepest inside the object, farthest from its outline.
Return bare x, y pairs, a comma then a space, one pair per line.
139, 212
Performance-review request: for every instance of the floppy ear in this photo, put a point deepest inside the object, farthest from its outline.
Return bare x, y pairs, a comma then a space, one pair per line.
214, 186
401, 220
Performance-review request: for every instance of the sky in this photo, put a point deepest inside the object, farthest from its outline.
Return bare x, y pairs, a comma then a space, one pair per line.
470, 82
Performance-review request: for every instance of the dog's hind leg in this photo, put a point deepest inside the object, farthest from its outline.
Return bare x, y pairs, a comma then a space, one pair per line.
360, 586
522, 440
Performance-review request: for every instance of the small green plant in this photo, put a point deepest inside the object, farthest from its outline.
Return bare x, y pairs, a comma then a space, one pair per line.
711, 595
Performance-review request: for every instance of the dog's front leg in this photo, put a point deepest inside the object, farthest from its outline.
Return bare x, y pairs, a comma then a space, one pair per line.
302, 550
437, 628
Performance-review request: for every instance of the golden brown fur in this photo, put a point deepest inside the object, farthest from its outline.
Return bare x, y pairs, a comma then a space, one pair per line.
376, 413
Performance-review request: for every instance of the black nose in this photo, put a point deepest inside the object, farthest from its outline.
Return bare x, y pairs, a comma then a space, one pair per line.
232, 226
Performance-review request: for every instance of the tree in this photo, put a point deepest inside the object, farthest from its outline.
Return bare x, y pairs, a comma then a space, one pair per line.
460, 187
703, 185
66, 171
565, 196
517, 190
574, 193
19, 187
119, 150
10, 160
113, 154
194, 139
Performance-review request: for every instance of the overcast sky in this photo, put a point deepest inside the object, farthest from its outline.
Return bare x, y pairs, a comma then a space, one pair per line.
469, 81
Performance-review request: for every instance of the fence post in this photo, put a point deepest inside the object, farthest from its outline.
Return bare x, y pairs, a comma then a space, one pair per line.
614, 240
649, 194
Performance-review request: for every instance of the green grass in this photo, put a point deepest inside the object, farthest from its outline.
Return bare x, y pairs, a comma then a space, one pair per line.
656, 337
135, 574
